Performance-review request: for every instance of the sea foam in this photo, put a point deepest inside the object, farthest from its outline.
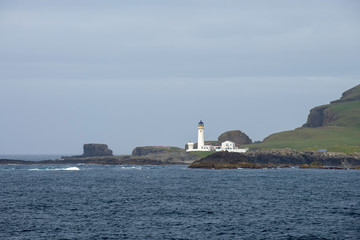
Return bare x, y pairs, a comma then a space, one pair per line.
55, 169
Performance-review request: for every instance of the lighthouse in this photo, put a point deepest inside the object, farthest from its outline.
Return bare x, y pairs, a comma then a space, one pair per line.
225, 146
201, 141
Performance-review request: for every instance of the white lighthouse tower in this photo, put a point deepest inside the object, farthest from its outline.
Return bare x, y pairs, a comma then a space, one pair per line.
201, 138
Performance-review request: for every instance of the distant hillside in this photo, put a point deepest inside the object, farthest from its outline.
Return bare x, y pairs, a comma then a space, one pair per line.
335, 126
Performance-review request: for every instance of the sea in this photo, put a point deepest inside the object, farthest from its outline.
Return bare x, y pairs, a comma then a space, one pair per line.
175, 202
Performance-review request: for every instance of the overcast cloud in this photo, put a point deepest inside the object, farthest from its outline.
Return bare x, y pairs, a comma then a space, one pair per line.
131, 73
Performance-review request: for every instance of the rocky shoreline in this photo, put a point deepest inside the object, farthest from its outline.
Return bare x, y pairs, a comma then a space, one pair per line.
100, 154
113, 160
278, 158
273, 158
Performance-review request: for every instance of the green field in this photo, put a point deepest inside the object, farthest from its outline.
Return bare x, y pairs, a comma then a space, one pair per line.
347, 114
333, 138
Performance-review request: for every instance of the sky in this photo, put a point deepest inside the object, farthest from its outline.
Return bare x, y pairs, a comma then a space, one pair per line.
143, 73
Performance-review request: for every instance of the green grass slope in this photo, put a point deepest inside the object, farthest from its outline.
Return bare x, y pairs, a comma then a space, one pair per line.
333, 138
352, 94
347, 114
342, 133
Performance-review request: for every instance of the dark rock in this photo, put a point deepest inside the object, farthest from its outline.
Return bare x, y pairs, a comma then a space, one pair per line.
316, 117
221, 160
322, 116
236, 136
277, 157
95, 150
319, 117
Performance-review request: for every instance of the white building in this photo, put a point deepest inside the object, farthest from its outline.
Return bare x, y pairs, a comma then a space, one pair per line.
190, 146
225, 146
230, 147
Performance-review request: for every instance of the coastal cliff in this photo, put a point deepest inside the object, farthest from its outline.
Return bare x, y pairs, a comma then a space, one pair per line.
329, 115
334, 126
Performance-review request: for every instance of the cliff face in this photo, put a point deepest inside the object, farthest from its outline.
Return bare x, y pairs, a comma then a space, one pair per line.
95, 150
320, 117
325, 115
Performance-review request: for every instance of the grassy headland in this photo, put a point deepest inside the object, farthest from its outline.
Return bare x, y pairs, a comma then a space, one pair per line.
335, 127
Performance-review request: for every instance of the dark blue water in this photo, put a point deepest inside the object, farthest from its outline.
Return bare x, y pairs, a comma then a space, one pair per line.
173, 202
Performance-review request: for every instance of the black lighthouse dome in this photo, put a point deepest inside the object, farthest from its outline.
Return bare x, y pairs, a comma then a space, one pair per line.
201, 123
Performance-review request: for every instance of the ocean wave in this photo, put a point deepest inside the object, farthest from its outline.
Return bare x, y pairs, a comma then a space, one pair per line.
55, 169
132, 168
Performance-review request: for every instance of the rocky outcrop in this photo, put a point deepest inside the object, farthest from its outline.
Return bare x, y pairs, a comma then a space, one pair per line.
319, 117
236, 136
293, 157
277, 157
223, 160
95, 150
322, 116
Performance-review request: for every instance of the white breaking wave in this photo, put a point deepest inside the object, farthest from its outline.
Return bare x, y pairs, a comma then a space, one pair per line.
132, 168
68, 169
55, 169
